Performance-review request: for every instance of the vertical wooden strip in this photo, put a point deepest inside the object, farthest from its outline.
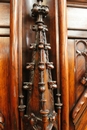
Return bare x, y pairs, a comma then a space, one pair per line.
57, 44
20, 47
63, 63
71, 66
14, 64
21, 110
57, 62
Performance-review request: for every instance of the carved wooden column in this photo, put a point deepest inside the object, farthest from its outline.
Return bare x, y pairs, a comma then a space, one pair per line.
40, 111
63, 63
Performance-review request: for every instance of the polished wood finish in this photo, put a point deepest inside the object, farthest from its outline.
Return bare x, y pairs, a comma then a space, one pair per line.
4, 15
63, 57
70, 69
20, 93
71, 66
4, 72
14, 64
77, 64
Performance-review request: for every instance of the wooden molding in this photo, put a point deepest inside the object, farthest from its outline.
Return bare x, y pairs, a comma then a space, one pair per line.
79, 108
63, 57
6, 1
77, 1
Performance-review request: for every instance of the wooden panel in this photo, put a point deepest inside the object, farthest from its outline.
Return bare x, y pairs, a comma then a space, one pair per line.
77, 91
82, 123
71, 66
77, 18
80, 66
77, 1
4, 14
4, 80
75, 34
4, 32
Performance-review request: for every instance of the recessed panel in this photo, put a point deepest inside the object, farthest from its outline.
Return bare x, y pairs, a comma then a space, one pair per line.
77, 18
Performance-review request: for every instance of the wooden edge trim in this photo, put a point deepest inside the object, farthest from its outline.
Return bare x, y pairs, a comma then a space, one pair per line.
77, 6
63, 58
80, 106
14, 64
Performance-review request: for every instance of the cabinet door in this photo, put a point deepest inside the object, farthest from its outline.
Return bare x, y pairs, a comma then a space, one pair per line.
4, 65
77, 65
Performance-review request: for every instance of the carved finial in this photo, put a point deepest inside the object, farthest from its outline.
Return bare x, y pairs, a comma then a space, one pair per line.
40, 2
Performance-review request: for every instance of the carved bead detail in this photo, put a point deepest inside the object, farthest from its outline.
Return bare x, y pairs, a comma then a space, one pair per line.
84, 80
22, 107
41, 66
32, 46
32, 119
47, 46
39, 9
27, 86
41, 87
50, 65
41, 46
35, 28
52, 117
52, 84
44, 112
30, 66
58, 104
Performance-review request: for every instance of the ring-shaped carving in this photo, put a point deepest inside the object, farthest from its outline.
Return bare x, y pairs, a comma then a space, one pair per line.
80, 41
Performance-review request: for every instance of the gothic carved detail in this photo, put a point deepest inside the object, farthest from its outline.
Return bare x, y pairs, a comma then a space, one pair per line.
80, 107
40, 111
82, 101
